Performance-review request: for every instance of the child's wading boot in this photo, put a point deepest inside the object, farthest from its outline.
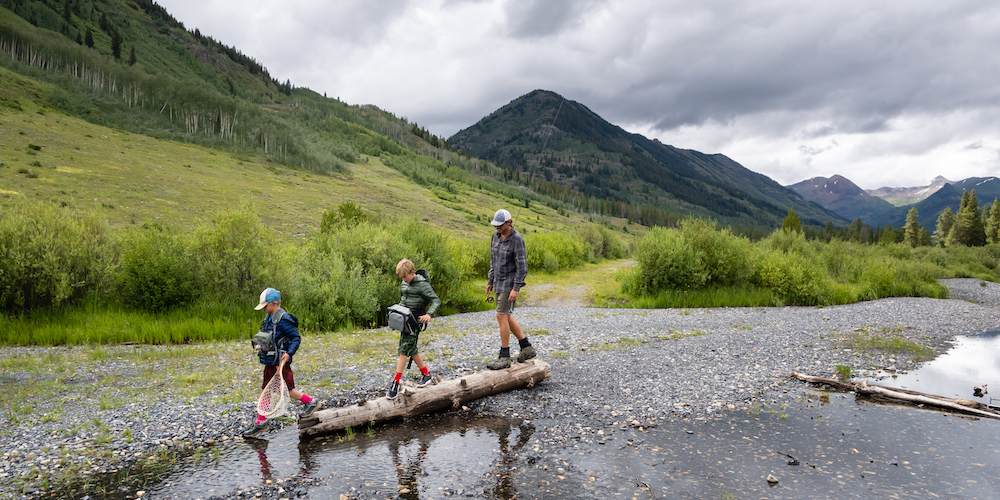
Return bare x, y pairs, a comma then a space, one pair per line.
526, 354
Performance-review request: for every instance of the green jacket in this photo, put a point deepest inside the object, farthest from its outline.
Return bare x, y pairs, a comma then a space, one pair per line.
419, 296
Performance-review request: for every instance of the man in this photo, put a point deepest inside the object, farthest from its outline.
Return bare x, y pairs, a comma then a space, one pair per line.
508, 268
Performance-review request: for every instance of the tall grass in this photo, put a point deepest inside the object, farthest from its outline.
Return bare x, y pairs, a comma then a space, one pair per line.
103, 323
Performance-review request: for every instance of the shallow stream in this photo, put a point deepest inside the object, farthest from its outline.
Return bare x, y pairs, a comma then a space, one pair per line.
816, 444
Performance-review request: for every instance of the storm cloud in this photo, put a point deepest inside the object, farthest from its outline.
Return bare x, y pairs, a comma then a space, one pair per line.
884, 93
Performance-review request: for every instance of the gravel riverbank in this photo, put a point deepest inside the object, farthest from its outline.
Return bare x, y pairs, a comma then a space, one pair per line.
609, 367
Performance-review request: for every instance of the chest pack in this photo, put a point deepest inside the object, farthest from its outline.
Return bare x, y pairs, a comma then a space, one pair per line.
401, 318
263, 341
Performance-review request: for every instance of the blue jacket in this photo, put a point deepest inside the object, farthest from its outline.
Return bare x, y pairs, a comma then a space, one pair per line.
286, 337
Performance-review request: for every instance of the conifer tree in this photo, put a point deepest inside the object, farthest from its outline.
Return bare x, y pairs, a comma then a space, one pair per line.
911, 229
89, 39
944, 223
925, 237
79, 38
968, 227
116, 45
791, 222
67, 11
993, 223
131, 56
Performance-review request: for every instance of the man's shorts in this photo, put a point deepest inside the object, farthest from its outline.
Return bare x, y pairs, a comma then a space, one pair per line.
286, 373
504, 305
407, 344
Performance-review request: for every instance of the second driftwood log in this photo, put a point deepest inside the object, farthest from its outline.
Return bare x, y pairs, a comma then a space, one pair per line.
413, 401
965, 406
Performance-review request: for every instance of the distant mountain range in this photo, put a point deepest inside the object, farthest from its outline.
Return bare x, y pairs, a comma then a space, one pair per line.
903, 196
847, 199
557, 143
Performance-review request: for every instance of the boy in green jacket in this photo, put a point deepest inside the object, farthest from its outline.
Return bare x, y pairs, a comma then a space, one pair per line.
416, 293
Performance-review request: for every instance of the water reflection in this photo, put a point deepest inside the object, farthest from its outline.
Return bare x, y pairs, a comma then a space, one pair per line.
973, 361
430, 457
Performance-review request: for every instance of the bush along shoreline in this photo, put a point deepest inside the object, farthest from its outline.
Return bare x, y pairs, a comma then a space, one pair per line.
698, 264
67, 278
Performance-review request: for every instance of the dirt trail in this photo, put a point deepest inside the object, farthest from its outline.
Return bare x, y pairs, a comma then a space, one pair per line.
551, 295
565, 289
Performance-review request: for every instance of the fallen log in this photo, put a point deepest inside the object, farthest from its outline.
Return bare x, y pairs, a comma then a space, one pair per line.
413, 401
965, 406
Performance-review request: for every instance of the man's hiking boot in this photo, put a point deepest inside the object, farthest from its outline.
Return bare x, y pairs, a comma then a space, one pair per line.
424, 380
310, 408
393, 390
257, 429
526, 354
499, 364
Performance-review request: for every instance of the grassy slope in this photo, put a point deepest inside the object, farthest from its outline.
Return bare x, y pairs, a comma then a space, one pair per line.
135, 179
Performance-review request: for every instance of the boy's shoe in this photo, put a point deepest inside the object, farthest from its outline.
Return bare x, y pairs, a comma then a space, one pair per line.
424, 380
393, 390
499, 364
310, 408
257, 429
526, 354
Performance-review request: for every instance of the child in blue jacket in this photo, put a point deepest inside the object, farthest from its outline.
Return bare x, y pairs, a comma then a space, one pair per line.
285, 328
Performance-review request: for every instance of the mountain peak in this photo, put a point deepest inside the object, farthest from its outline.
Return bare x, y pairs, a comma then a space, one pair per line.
901, 196
550, 143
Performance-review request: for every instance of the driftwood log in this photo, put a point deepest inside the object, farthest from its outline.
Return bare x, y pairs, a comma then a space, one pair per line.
966, 406
413, 401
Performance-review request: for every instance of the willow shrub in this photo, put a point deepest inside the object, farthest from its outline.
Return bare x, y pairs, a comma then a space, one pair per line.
237, 256
697, 257
363, 258
551, 252
327, 294
957, 261
156, 270
51, 257
692, 256
602, 243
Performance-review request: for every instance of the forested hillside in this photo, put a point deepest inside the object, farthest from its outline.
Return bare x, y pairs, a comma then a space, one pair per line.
559, 147
129, 65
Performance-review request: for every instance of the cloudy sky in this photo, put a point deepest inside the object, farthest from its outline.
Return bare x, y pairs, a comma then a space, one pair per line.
886, 93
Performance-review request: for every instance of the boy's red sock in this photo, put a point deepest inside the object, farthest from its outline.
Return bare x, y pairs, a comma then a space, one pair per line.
425, 370
306, 399
398, 376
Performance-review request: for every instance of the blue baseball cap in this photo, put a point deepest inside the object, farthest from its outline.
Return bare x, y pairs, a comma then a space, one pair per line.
268, 295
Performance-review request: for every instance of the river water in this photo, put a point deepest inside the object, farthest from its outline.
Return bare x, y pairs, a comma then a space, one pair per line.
816, 444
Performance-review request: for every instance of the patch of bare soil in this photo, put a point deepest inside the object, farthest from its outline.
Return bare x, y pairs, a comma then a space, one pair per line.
550, 295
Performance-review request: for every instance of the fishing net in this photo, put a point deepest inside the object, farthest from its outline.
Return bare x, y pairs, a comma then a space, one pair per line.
273, 400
